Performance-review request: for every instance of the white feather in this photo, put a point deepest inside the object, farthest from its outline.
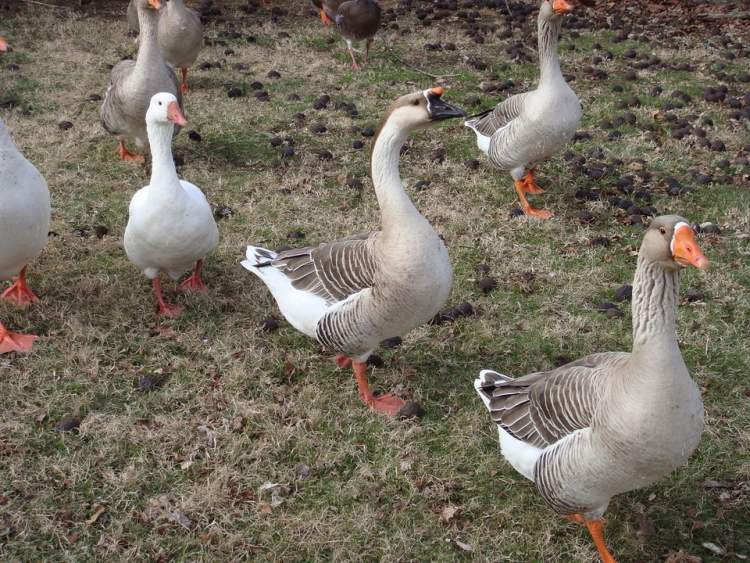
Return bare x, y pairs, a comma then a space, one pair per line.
483, 141
302, 309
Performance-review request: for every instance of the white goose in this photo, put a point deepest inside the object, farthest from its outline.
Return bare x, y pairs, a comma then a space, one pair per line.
530, 127
171, 226
612, 422
354, 293
24, 224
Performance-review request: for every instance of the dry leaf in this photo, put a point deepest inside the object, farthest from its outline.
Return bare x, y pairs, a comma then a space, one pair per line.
96, 514
681, 557
710, 546
464, 546
448, 513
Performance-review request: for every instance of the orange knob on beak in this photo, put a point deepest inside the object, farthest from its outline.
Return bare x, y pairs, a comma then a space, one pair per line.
155, 4
561, 7
437, 91
175, 115
685, 249
3, 45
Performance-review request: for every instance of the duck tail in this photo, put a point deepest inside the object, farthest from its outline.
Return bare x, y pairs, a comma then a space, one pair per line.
487, 382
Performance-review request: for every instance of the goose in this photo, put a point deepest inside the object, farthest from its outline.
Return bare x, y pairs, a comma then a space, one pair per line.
24, 224
530, 127
170, 225
132, 83
132, 16
353, 293
611, 422
356, 20
180, 37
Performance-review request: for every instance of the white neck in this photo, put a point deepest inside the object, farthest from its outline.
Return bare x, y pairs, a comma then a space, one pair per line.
163, 173
396, 209
549, 63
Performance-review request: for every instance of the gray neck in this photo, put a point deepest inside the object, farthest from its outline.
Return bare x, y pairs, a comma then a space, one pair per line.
175, 6
655, 292
549, 63
163, 173
148, 46
396, 209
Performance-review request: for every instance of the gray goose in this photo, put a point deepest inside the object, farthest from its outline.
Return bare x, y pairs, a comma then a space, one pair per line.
530, 127
612, 422
356, 20
180, 37
354, 293
133, 83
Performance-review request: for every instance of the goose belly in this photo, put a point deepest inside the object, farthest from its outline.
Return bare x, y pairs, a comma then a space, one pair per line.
155, 242
24, 224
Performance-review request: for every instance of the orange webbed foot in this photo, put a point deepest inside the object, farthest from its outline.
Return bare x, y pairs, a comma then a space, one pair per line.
168, 310
128, 156
343, 361
194, 282
389, 404
19, 293
15, 342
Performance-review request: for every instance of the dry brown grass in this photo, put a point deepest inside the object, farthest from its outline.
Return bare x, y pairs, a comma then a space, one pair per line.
180, 472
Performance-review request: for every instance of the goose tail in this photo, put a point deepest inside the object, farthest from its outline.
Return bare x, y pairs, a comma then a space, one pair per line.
257, 258
483, 141
486, 383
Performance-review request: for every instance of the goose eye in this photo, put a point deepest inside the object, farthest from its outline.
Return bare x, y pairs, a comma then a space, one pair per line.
663, 230
159, 103
415, 103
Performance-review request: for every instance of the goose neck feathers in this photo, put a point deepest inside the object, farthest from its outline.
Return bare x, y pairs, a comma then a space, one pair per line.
547, 38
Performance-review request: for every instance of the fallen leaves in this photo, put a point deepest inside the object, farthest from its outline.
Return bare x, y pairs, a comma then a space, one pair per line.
98, 511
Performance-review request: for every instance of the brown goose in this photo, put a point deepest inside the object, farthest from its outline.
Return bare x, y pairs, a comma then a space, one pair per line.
354, 293
611, 422
357, 20
133, 83
530, 127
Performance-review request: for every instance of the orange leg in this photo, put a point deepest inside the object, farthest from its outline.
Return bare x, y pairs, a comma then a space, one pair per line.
125, 154
355, 66
388, 404
531, 186
596, 530
19, 293
194, 282
342, 361
14, 342
165, 309
521, 190
324, 17
183, 84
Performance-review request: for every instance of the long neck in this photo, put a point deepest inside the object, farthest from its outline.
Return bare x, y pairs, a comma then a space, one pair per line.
396, 209
148, 46
655, 291
163, 172
549, 64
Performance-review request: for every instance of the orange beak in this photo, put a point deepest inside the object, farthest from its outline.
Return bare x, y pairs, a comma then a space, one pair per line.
175, 115
3, 45
155, 4
437, 91
685, 249
561, 7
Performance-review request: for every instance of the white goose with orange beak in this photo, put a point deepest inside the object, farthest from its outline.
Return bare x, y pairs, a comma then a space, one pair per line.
611, 422
171, 226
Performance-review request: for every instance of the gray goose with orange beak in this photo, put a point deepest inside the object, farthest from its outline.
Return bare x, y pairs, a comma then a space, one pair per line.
615, 421
354, 293
530, 127
170, 225
132, 83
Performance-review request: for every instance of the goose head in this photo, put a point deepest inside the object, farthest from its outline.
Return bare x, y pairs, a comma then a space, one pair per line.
3, 45
421, 109
670, 242
554, 9
149, 4
164, 109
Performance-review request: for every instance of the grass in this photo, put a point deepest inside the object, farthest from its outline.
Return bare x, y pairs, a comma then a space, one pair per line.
183, 472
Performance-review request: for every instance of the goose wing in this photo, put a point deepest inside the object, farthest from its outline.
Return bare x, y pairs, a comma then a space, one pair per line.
110, 111
544, 407
333, 271
497, 118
